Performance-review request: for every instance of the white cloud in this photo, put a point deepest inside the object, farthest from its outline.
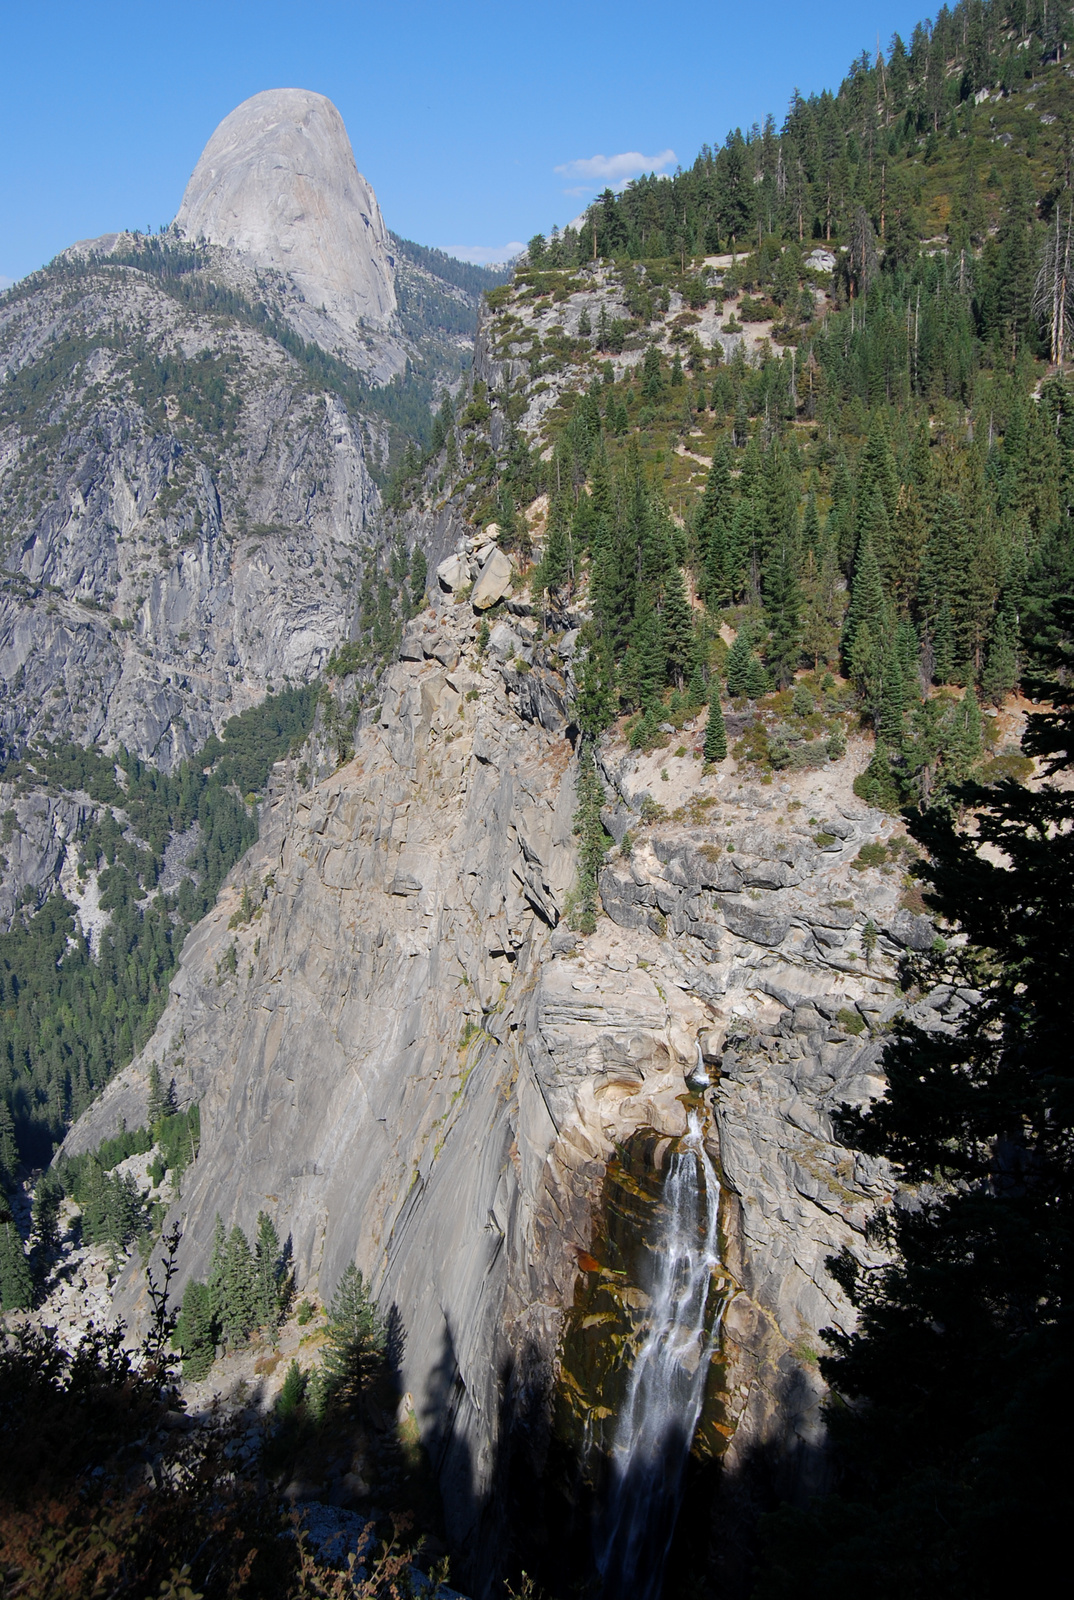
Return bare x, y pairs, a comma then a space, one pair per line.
577, 192
484, 255
614, 170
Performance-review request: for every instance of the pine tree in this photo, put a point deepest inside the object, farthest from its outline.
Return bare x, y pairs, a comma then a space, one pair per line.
356, 1339
810, 524
822, 606
1000, 674
48, 1196
678, 625
872, 525
649, 649
715, 748
943, 646
196, 1331
905, 548
217, 1268
878, 471
783, 610
877, 785
592, 839
9, 1155
738, 660
554, 568
419, 566
267, 1267
740, 431
161, 1102
238, 1312
965, 739
595, 701
652, 378
602, 328
16, 1279
867, 610
756, 679
741, 562
893, 701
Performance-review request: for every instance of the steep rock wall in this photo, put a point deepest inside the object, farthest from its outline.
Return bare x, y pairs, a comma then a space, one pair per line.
170, 554
415, 1065
278, 183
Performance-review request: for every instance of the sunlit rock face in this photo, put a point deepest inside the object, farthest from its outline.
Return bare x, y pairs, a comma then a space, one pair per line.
278, 181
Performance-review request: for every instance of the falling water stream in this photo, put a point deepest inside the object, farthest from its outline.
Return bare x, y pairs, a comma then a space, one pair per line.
666, 1389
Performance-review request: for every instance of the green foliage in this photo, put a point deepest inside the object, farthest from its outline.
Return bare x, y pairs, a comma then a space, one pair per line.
247, 1289
48, 1195
355, 1342
292, 1391
715, 748
949, 1409
69, 1020
273, 1285
16, 1279
197, 1331
592, 840
236, 1302
78, 1519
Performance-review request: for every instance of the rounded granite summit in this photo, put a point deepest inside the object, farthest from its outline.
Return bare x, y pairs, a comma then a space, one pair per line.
278, 182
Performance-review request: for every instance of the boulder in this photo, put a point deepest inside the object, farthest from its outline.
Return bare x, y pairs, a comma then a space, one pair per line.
504, 644
493, 581
453, 573
910, 931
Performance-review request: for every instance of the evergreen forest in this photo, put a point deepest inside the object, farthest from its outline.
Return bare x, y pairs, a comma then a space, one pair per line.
878, 491
71, 1016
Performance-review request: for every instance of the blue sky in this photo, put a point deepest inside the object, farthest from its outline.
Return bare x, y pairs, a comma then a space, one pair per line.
478, 124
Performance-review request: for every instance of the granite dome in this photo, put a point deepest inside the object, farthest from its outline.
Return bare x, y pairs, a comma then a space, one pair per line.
278, 182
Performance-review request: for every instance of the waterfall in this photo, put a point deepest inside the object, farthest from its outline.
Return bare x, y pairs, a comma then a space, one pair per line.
655, 1428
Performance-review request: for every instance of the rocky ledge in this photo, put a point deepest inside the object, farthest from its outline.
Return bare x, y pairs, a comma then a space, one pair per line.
408, 1059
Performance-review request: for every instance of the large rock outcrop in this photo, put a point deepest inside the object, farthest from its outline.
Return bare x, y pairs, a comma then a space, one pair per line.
409, 1061
278, 182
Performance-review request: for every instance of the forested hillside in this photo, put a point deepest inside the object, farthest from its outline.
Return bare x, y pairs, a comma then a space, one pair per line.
813, 387
813, 395
70, 1014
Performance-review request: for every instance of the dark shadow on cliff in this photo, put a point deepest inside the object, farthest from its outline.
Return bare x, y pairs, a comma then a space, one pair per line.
546, 1506
450, 1457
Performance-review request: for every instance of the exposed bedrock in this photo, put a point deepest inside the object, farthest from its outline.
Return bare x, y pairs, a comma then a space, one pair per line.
277, 181
415, 1065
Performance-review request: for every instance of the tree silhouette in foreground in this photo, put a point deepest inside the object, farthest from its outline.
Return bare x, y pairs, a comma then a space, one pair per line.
951, 1401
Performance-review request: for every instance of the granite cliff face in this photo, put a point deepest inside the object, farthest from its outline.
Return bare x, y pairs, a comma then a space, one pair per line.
189, 487
400, 1050
185, 513
417, 1066
278, 182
